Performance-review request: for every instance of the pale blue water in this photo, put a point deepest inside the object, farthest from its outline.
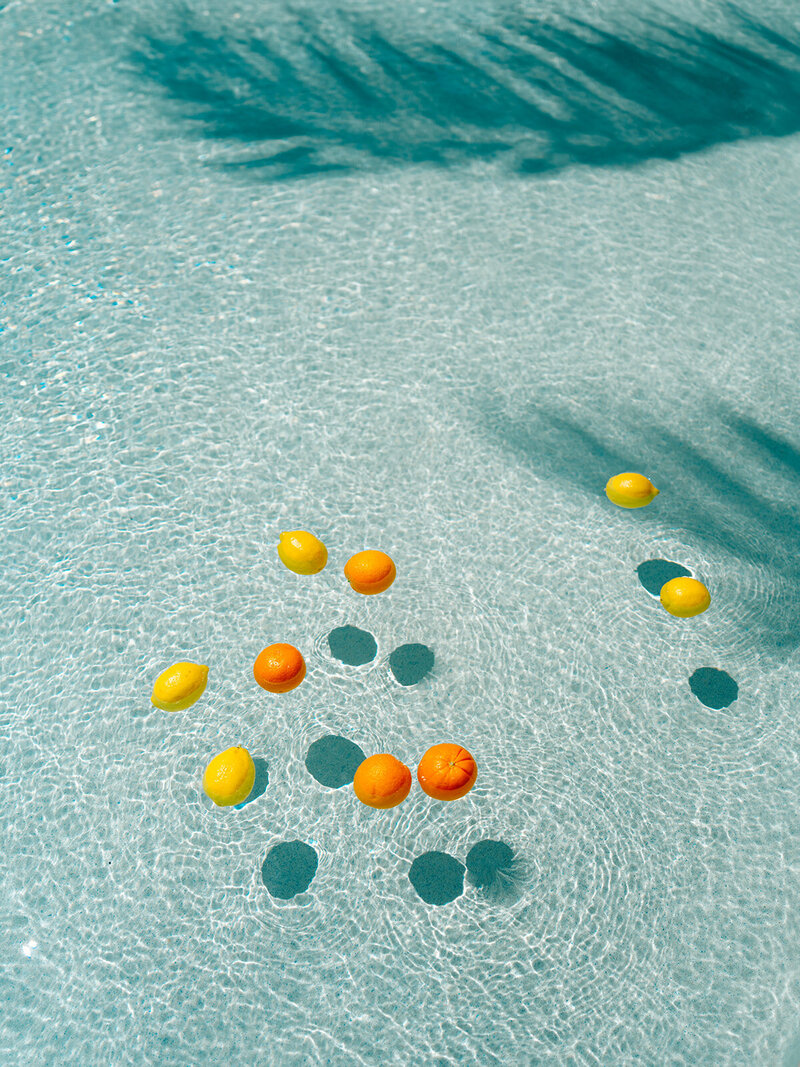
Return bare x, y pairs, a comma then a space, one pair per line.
419, 281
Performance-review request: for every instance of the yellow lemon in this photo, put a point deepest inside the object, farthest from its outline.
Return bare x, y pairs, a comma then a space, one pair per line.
302, 552
179, 686
630, 490
229, 777
685, 597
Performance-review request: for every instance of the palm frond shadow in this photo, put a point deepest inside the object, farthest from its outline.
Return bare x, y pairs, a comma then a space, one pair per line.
715, 499
540, 94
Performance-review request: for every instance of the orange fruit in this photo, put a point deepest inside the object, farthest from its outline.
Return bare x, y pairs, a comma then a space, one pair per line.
447, 772
382, 781
370, 571
279, 668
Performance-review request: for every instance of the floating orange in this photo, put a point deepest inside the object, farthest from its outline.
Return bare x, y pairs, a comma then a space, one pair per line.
382, 781
447, 772
279, 668
370, 571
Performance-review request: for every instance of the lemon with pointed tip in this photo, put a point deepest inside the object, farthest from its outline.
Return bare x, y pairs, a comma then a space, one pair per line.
685, 597
179, 686
229, 777
630, 490
302, 552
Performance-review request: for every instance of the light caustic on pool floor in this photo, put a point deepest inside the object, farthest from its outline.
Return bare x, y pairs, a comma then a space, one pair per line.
447, 771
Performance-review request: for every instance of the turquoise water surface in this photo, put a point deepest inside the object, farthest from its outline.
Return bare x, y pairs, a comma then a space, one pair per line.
419, 280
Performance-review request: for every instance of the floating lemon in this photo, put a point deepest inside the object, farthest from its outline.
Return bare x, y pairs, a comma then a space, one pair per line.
302, 552
685, 597
630, 490
229, 777
179, 686
370, 571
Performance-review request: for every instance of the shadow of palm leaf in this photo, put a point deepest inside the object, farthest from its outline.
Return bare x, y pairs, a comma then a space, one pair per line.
538, 93
720, 504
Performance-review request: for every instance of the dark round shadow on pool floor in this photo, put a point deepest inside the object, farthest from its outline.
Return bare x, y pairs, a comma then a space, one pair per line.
655, 573
352, 646
289, 869
716, 689
437, 877
490, 863
333, 760
260, 784
410, 663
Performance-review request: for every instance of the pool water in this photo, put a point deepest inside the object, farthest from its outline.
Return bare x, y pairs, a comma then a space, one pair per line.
420, 281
